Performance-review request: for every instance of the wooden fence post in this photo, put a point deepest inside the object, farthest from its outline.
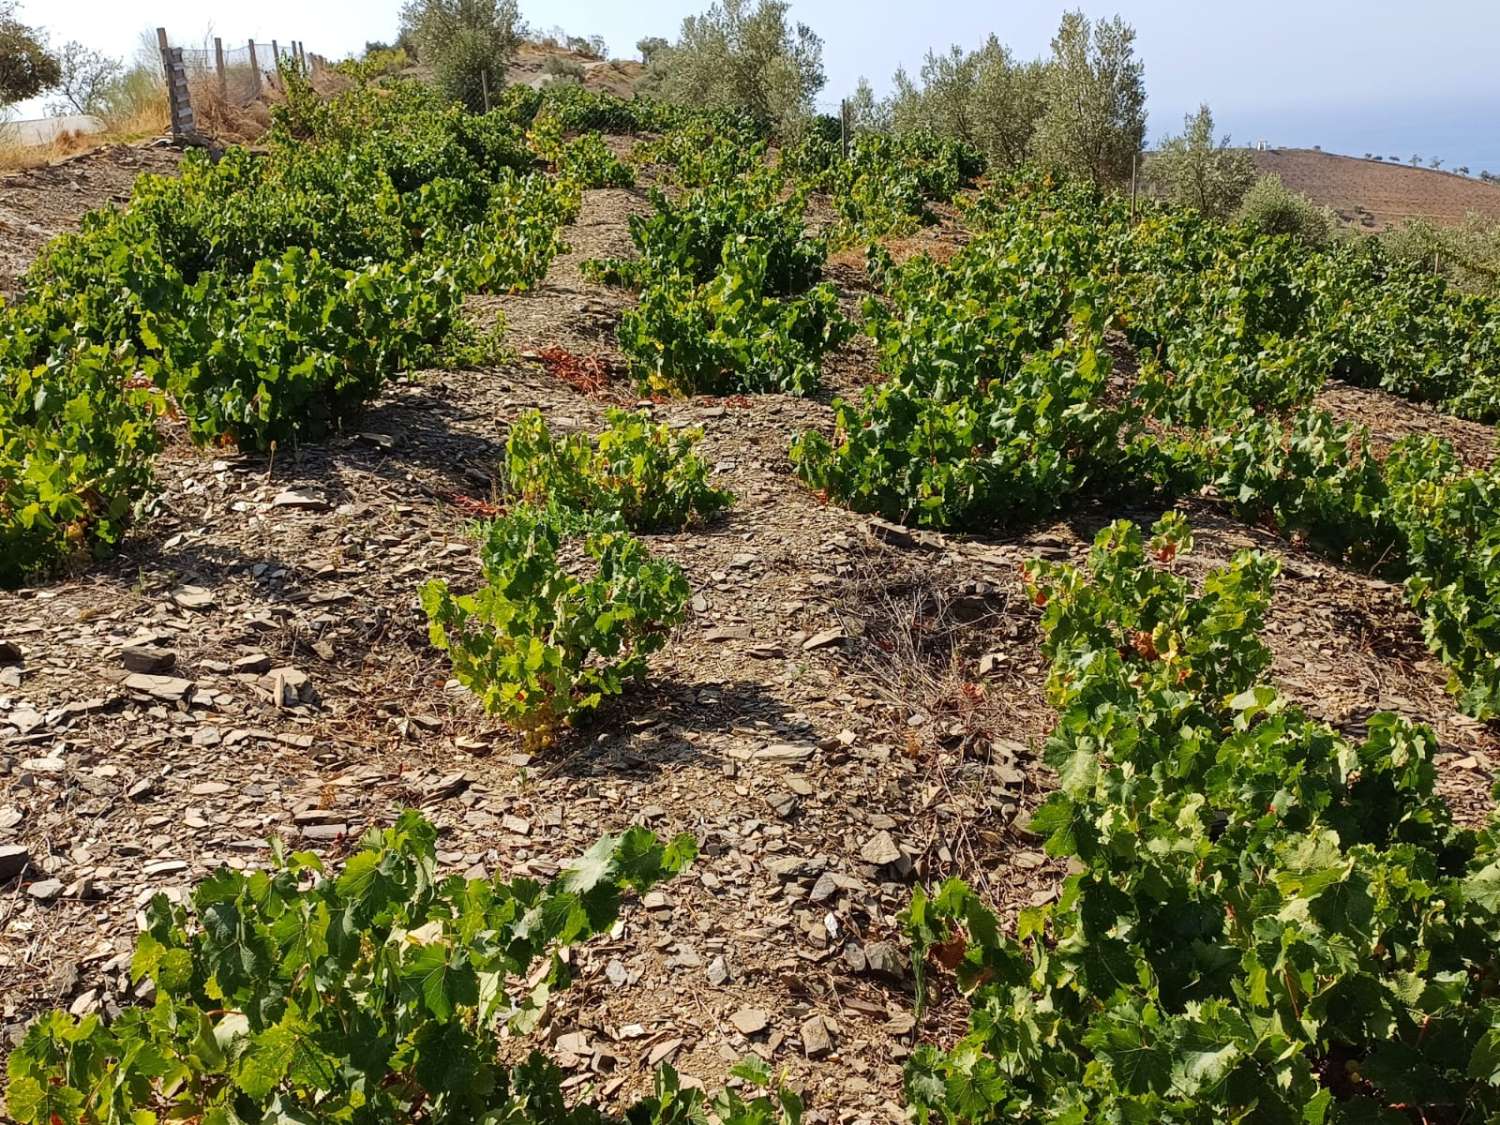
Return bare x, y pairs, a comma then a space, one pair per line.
219, 66
275, 72
254, 68
844, 127
179, 100
484, 85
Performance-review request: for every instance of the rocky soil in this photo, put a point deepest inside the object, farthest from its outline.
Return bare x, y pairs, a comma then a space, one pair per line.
38, 204
853, 708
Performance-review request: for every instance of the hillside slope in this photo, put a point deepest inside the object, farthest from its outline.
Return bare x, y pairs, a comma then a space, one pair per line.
1377, 195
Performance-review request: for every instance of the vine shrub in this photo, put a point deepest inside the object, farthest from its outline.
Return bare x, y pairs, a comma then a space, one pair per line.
540, 645
268, 297
586, 160
378, 992
77, 439
646, 474
730, 335
1268, 921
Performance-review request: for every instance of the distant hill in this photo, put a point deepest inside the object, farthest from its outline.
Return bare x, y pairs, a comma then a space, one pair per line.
1374, 194
607, 76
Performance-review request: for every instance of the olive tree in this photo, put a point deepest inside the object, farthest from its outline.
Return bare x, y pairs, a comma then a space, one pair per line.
1094, 123
743, 57
650, 47
466, 43
985, 97
26, 66
867, 113
1196, 170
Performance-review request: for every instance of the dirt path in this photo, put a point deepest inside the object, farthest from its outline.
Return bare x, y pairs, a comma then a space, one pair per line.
811, 724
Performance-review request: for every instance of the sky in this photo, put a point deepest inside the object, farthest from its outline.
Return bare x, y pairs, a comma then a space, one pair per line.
1353, 76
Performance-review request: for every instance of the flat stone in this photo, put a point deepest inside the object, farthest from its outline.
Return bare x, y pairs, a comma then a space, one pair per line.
905, 537
718, 971
880, 849
256, 664
169, 689
45, 890
301, 498
785, 752
324, 831
164, 867
825, 888
149, 659
24, 719
991, 662
208, 789
817, 1040
192, 597
883, 960
43, 765
663, 1051
728, 633
828, 638
750, 1021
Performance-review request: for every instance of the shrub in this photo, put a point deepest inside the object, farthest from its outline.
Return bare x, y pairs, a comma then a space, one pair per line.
1467, 255
77, 439
730, 335
563, 71
693, 234
1270, 207
301, 344
537, 644
646, 474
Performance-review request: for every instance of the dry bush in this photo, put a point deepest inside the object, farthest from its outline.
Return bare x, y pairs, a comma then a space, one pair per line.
15, 155
921, 636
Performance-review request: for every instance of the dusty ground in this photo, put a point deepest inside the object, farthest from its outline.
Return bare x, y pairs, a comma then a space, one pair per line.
38, 204
1378, 194
821, 724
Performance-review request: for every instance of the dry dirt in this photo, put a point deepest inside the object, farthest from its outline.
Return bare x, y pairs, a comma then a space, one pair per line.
38, 204
821, 724
1375, 195
607, 76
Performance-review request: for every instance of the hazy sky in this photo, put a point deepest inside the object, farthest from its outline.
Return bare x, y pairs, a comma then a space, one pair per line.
1350, 75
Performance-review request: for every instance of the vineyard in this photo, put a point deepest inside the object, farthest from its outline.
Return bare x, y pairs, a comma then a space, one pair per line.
714, 627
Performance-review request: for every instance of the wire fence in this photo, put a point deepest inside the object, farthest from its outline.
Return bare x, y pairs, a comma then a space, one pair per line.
233, 75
